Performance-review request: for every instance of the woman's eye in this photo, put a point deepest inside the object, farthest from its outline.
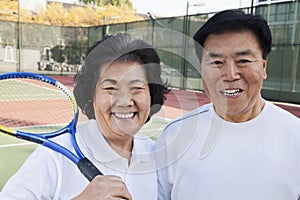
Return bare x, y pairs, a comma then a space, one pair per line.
136, 88
110, 88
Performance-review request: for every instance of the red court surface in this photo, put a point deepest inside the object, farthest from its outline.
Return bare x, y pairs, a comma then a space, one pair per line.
181, 101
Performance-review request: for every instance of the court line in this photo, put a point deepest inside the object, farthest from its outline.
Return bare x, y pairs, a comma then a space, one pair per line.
15, 145
29, 85
53, 87
286, 104
153, 129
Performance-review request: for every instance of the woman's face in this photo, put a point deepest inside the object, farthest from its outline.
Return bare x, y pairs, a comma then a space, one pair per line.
122, 100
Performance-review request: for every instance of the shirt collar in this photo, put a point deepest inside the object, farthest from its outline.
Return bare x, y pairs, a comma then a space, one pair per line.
98, 147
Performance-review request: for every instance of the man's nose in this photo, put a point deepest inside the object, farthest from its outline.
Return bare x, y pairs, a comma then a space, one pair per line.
230, 71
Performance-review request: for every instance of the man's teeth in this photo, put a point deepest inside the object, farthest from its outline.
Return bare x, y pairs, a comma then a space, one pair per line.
231, 93
124, 115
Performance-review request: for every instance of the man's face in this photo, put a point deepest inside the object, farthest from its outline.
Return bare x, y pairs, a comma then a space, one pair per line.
233, 72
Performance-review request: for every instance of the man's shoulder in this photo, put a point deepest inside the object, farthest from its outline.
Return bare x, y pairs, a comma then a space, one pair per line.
277, 111
192, 116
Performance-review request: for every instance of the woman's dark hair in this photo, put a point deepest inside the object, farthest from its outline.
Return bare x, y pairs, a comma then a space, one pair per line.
118, 48
234, 21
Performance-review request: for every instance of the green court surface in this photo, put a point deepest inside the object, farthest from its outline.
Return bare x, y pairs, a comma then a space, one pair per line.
25, 90
13, 152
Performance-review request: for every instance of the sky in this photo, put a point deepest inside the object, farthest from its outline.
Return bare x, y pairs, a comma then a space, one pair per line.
169, 8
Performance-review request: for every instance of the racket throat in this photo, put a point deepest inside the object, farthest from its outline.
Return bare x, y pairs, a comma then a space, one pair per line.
30, 139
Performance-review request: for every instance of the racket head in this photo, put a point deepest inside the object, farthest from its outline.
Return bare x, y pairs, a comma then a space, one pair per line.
35, 107
35, 104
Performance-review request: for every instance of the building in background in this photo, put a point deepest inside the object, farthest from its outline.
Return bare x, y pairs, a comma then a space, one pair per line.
263, 2
283, 16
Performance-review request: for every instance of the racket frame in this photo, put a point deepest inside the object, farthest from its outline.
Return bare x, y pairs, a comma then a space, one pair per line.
85, 166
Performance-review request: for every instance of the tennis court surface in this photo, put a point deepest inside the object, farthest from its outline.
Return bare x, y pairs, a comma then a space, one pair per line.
13, 152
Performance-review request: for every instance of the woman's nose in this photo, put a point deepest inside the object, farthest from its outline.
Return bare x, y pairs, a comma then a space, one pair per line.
123, 98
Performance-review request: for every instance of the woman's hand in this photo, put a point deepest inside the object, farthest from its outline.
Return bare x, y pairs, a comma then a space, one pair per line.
105, 188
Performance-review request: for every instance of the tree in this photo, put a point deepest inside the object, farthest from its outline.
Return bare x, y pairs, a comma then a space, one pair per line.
58, 15
108, 2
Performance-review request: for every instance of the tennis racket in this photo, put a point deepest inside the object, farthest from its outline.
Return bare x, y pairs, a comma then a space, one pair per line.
36, 108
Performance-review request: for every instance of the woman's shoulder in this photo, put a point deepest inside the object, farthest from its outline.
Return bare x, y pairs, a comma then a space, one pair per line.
143, 142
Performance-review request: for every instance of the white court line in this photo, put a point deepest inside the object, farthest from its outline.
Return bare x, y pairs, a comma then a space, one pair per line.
154, 129
54, 89
15, 145
286, 104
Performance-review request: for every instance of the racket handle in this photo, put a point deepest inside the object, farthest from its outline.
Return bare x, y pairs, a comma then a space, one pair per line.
88, 169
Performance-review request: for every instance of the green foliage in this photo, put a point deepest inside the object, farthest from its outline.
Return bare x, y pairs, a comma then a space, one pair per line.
114, 11
109, 2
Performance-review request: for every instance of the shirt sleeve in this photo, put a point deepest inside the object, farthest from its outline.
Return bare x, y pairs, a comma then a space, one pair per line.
163, 183
34, 180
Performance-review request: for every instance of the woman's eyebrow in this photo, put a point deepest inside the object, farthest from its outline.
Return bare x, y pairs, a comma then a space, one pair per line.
112, 81
136, 81
109, 80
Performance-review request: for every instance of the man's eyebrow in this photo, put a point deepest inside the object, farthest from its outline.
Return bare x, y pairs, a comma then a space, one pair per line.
215, 55
245, 52
236, 54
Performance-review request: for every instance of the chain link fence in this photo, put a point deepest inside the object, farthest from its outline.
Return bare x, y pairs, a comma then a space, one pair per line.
61, 50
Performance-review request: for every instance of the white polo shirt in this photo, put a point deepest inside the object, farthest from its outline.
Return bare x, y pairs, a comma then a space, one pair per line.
49, 175
201, 156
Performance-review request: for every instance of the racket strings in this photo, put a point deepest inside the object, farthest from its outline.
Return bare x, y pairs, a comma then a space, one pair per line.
34, 106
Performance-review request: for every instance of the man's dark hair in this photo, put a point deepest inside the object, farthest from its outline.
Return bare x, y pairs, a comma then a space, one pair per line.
235, 21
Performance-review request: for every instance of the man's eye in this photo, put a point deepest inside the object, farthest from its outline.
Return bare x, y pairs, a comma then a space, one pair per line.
216, 63
244, 61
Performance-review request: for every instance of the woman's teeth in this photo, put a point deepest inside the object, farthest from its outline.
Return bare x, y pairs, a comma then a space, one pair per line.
124, 115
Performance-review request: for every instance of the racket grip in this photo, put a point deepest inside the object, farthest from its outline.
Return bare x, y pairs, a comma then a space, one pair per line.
88, 169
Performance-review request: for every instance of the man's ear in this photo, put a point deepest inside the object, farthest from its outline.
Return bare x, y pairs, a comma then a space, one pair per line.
265, 63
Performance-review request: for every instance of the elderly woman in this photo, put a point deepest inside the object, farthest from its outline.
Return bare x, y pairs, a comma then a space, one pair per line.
118, 88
